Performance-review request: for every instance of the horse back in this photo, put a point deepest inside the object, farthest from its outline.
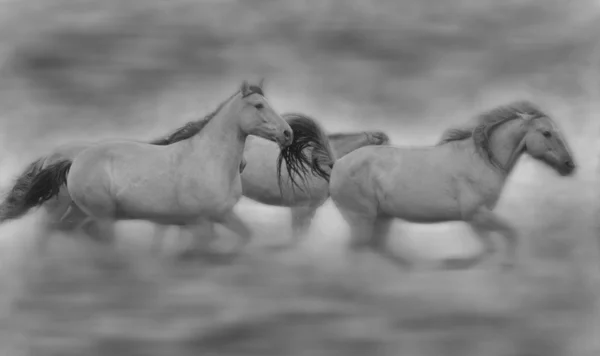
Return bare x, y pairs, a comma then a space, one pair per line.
68, 151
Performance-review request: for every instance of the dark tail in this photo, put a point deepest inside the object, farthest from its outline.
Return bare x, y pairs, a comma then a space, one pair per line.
12, 205
307, 134
33, 188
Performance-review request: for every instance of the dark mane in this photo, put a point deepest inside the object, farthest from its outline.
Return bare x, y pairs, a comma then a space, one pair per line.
485, 123
188, 130
490, 120
307, 134
455, 134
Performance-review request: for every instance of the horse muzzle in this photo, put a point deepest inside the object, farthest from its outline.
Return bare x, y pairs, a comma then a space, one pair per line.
567, 168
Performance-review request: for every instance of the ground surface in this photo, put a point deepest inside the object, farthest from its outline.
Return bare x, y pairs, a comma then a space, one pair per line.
300, 302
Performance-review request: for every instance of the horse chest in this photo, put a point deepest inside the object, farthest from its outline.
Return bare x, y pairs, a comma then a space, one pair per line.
487, 186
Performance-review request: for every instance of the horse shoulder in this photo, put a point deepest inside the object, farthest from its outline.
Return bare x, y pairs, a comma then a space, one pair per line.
477, 185
355, 170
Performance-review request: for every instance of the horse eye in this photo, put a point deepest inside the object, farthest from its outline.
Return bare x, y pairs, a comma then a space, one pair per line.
547, 134
259, 106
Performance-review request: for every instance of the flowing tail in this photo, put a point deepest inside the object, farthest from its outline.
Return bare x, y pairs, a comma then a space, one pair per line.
12, 205
307, 134
34, 187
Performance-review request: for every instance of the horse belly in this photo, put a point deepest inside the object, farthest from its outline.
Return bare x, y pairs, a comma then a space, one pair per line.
262, 192
160, 211
267, 191
174, 209
420, 203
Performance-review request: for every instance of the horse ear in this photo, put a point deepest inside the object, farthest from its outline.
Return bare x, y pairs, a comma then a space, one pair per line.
245, 88
261, 83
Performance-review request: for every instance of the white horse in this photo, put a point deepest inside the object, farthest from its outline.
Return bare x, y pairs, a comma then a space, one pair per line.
460, 179
60, 214
184, 183
259, 178
312, 161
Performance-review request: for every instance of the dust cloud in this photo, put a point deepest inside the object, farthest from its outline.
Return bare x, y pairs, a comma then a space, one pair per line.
91, 69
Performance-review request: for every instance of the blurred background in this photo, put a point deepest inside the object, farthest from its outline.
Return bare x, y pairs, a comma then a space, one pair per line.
84, 70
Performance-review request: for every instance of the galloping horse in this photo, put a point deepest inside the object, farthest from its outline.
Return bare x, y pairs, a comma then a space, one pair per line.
183, 183
312, 160
260, 177
57, 210
459, 179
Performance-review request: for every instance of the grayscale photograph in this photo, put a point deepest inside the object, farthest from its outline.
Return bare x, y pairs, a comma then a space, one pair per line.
299, 178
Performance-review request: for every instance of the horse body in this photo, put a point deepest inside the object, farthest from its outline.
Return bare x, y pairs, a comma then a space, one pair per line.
263, 180
180, 183
112, 180
427, 177
183, 183
461, 179
260, 183
60, 212
259, 177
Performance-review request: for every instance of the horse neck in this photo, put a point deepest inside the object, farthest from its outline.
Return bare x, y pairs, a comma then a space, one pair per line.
222, 138
346, 144
506, 144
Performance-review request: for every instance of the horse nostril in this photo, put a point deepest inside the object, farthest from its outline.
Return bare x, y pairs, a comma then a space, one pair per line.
569, 164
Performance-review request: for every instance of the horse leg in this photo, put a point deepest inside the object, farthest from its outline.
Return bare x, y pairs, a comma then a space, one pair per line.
234, 223
484, 236
301, 219
203, 234
487, 221
160, 231
100, 231
378, 241
58, 217
48, 228
361, 232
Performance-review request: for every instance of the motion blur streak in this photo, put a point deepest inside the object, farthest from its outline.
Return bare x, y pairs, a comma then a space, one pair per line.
92, 69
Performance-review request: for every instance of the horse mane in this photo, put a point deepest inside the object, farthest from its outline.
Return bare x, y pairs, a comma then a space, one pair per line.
307, 134
487, 122
490, 120
188, 130
191, 128
455, 134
